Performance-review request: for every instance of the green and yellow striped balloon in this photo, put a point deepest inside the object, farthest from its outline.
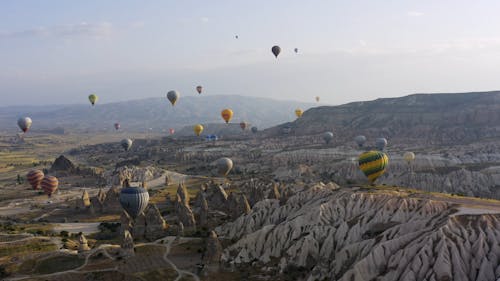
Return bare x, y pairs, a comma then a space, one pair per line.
93, 99
373, 164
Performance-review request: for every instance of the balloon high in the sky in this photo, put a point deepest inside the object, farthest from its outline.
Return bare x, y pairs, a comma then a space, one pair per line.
409, 156
198, 128
360, 140
35, 178
171, 131
317, 98
224, 166
49, 185
296, 50
380, 143
227, 114
299, 112
173, 96
236, 36
24, 123
117, 126
126, 144
93, 99
276, 50
199, 89
254, 129
134, 200
372, 164
327, 137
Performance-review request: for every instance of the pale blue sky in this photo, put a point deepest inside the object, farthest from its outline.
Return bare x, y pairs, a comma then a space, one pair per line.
60, 51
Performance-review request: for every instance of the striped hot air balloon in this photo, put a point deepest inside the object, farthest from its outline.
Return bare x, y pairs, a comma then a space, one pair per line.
373, 164
134, 200
35, 178
49, 185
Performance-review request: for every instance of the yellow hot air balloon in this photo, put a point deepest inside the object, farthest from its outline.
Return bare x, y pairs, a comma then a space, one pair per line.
227, 114
298, 112
409, 156
93, 99
373, 164
198, 128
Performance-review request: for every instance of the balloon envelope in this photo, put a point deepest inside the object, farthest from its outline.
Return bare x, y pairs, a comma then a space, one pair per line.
276, 50
126, 144
24, 123
117, 126
254, 129
372, 164
173, 96
224, 166
360, 140
327, 137
317, 98
296, 50
93, 99
134, 200
49, 184
171, 131
227, 114
35, 178
243, 125
298, 112
198, 128
380, 143
199, 89
409, 156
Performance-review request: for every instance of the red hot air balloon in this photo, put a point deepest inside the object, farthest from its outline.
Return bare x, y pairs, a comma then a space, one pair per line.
49, 185
117, 126
172, 131
35, 178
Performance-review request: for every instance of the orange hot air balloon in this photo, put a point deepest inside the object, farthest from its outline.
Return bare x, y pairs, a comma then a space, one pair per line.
35, 178
227, 114
49, 185
199, 89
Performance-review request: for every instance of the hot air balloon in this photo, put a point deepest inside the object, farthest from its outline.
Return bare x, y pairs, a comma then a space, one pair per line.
296, 50
317, 98
126, 144
243, 125
254, 129
224, 166
24, 123
199, 89
117, 126
171, 130
276, 50
236, 36
360, 140
227, 114
409, 157
173, 96
49, 185
327, 137
93, 99
373, 164
134, 200
380, 143
298, 112
35, 178
198, 128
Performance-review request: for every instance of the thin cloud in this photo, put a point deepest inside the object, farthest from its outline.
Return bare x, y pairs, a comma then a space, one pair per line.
103, 29
415, 14
204, 19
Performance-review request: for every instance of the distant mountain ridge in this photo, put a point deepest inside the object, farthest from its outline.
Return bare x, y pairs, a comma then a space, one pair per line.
436, 118
156, 113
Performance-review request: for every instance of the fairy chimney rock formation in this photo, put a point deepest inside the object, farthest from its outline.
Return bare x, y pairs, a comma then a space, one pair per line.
111, 202
127, 245
84, 201
214, 249
237, 205
203, 213
184, 213
83, 245
155, 224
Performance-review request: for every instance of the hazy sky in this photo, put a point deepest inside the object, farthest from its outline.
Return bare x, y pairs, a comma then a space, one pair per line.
61, 51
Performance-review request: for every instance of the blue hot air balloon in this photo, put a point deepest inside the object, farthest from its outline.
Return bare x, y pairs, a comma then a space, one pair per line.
134, 200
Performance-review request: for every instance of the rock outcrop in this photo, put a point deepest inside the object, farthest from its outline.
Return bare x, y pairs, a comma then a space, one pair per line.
214, 249
184, 213
84, 202
216, 196
343, 234
237, 205
155, 224
63, 164
127, 245
83, 245
111, 202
